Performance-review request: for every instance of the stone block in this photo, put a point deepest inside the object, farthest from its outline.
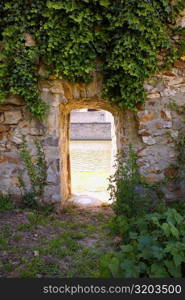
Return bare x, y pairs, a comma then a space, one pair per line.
166, 115
142, 152
51, 141
153, 95
12, 117
3, 128
152, 178
167, 124
15, 100
36, 131
146, 116
158, 125
170, 172
148, 140
52, 194
1, 117
176, 81
144, 132
9, 158
57, 87
178, 99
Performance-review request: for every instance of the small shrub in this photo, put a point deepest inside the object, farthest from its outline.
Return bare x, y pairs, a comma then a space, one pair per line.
130, 194
154, 239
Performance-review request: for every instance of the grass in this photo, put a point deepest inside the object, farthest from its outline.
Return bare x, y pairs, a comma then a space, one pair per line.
35, 219
34, 245
61, 246
86, 263
38, 267
4, 236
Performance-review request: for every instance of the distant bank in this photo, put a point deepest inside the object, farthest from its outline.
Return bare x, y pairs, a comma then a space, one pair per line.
90, 131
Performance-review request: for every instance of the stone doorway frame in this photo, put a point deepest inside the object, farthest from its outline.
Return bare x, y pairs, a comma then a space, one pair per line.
65, 164
123, 129
63, 97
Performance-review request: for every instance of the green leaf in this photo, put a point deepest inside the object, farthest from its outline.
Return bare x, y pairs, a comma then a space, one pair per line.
105, 3
166, 228
175, 271
114, 266
174, 230
127, 248
157, 252
158, 271
133, 235
130, 268
178, 258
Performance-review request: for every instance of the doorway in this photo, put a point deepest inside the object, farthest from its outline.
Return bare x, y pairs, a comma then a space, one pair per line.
91, 154
117, 133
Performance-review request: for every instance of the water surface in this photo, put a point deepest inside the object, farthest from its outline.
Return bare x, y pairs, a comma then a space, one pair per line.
90, 167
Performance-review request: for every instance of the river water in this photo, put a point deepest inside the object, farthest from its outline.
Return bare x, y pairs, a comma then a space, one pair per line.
90, 168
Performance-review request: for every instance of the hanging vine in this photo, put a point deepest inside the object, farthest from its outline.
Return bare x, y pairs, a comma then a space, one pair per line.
125, 38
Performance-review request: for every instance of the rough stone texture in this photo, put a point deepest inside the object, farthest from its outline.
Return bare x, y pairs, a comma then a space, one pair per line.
152, 131
12, 117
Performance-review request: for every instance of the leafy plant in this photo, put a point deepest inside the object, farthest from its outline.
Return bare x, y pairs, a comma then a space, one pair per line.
122, 39
153, 243
37, 172
130, 194
154, 246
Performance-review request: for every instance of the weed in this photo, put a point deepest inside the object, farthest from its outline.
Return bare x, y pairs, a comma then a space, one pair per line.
17, 237
86, 264
129, 193
6, 203
5, 234
8, 267
37, 173
38, 267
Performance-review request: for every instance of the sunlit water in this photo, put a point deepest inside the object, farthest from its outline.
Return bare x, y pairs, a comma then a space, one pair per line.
90, 168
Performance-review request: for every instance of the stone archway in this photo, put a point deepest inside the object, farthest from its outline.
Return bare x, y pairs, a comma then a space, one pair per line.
65, 136
63, 97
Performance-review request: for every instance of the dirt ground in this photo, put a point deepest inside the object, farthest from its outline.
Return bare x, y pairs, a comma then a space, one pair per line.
69, 244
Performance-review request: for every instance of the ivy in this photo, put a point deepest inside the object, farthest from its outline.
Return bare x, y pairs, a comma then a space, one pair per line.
123, 38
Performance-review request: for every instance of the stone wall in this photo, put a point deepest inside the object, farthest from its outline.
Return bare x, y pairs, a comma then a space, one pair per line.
16, 123
159, 127
90, 131
152, 131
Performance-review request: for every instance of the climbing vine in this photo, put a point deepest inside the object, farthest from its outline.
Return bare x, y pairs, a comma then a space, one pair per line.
122, 38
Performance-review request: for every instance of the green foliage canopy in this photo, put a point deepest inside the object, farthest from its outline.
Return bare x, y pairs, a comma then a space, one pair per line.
122, 37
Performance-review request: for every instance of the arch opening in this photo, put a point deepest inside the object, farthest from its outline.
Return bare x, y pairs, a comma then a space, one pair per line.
92, 151
66, 174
